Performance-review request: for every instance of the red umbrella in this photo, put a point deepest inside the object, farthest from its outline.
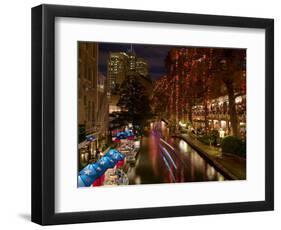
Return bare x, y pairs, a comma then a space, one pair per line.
120, 163
99, 181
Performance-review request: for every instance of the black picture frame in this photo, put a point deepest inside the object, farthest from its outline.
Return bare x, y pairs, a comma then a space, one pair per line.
43, 114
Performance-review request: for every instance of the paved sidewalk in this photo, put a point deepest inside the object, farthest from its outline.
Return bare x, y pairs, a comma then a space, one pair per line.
232, 166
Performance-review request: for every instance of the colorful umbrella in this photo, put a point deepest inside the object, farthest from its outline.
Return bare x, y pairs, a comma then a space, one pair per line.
111, 152
115, 155
89, 170
106, 162
89, 174
129, 133
86, 180
99, 168
120, 163
80, 182
121, 135
93, 173
99, 181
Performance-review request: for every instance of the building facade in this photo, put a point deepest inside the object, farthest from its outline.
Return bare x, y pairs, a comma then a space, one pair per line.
92, 103
142, 67
116, 70
217, 114
120, 66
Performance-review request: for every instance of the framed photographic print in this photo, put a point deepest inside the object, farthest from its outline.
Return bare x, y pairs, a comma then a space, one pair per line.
142, 114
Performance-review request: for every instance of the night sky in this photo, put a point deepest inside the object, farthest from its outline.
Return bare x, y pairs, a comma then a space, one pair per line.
154, 54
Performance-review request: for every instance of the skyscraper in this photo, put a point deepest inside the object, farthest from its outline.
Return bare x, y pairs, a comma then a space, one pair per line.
142, 67
123, 64
116, 70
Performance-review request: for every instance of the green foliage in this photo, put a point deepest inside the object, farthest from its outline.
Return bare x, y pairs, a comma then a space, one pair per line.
234, 145
214, 135
205, 139
208, 139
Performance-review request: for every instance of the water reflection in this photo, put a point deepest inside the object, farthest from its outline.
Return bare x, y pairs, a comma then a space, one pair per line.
163, 159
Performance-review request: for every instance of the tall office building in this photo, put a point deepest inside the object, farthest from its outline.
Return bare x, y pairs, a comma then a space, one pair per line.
116, 70
123, 64
142, 67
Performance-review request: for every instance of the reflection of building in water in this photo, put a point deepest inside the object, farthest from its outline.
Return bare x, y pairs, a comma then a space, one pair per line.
92, 102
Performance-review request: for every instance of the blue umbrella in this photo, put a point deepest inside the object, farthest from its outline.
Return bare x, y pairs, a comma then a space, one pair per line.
111, 152
115, 155
129, 133
89, 170
112, 161
99, 168
121, 135
89, 174
85, 180
118, 157
81, 182
106, 162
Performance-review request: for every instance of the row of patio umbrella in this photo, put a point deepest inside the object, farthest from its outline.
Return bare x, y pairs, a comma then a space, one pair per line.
88, 175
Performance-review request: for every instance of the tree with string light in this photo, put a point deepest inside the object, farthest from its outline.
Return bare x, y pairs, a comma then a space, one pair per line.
228, 66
